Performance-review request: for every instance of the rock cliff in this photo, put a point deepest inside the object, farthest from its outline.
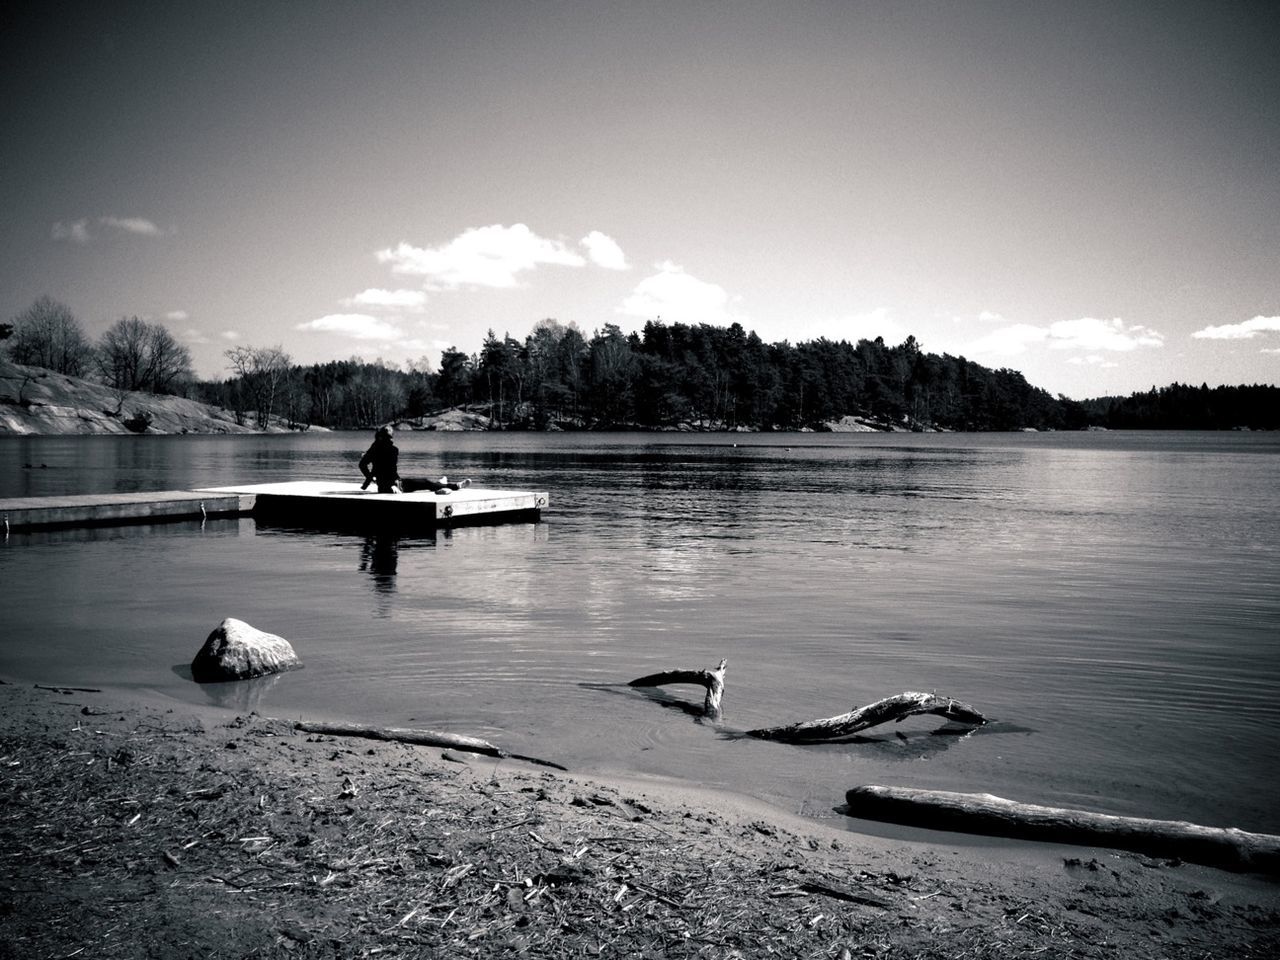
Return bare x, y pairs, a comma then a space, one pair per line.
38, 401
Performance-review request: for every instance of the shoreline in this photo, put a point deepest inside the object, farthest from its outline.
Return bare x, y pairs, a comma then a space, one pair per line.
180, 830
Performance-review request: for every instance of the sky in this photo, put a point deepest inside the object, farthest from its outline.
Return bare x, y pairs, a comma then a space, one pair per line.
1085, 192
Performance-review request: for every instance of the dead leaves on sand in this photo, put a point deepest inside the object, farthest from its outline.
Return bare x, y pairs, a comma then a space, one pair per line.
255, 840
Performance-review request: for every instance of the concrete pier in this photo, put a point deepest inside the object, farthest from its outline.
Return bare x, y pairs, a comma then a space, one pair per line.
301, 502
100, 509
329, 503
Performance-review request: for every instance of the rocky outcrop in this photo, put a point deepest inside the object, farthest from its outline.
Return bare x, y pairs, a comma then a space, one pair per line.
238, 651
454, 419
38, 401
852, 424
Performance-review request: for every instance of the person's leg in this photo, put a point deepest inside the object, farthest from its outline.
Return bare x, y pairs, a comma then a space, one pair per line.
410, 485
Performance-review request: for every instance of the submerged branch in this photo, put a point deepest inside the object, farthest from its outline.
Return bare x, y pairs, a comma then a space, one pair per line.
712, 680
893, 708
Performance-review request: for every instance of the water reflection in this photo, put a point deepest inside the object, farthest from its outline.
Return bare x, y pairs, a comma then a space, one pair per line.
379, 556
167, 530
243, 696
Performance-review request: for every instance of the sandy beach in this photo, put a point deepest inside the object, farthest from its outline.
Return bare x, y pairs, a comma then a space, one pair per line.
147, 830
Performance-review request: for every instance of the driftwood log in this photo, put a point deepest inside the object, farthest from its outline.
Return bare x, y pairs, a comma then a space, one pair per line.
712, 680
424, 738
995, 816
893, 708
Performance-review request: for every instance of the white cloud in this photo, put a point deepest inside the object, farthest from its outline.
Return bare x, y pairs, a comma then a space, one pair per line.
77, 231
677, 297
1009, 341
1240, 331
230, 334
74, 231
192, 335
177, 316
408, 300
990, 316
131, 225
1093, 360
489, 256
604, 251
1089, 333
868, 326
1271, 349
415, 344
361, 326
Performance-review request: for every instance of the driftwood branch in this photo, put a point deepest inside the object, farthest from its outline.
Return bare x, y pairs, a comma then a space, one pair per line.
424, 738
712, 680
894, 708
986, 814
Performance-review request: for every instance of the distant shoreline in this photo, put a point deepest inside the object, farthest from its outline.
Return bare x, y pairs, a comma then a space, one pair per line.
37, 402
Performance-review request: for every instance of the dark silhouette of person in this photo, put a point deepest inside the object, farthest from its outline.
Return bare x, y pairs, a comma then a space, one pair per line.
381, 465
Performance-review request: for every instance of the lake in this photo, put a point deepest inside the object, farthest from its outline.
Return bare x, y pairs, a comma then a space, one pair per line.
1111, 599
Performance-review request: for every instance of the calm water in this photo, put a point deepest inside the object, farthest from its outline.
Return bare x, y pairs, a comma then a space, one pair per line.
1113, 599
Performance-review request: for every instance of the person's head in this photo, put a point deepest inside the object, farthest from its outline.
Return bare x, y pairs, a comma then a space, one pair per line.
384, 433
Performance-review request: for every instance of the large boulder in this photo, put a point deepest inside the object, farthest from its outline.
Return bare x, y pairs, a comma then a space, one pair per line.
237, 651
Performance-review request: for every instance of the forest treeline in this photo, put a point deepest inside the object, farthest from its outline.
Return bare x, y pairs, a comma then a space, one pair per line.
706, 377
666, 377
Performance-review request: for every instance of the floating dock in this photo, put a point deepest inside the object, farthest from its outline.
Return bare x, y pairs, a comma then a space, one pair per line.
326, 503
300, 502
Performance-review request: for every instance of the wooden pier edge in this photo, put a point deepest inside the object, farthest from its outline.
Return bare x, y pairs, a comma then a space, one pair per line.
119, 509
983, 813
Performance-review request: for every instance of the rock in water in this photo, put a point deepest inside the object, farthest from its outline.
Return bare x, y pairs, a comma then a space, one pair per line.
237, 651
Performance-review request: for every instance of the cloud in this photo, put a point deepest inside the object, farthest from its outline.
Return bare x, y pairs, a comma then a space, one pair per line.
407, 300
1087, 333
1240, 331
872, 324
177, 316
1093, 360
677, 297
604, 251
489, 256
75, 231
230, 334
1271, 349
1009, 341
415, 344
361, 326
192, 335
132, 225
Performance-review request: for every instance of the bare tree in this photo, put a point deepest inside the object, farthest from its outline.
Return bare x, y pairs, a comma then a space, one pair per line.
48, 335
261, 369
136, 355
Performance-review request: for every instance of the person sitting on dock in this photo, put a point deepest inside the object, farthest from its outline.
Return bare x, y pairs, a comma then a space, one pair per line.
381, 464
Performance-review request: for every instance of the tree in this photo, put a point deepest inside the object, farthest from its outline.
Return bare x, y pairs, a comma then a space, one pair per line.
453, 385
136, 355
48, 335
261, 370
611, 373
